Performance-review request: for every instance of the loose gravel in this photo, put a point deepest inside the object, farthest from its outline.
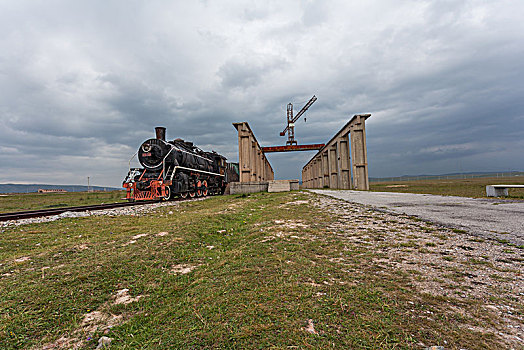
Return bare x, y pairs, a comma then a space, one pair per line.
487, 218
475, 278
135, 210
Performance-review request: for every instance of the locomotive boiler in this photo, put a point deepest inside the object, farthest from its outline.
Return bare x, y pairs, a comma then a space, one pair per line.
176, 168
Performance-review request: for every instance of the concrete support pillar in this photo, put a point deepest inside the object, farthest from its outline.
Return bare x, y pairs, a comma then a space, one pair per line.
259, 164
348, 151
262, 166
318, 173
307, 178
359, 153
310, 185
333, 169
325, 169
244, 151
253, 161
343, 163
314, 173
339, 160
304, 177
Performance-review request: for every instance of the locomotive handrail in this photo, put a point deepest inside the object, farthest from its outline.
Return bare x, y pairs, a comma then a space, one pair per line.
164, 163
130, 159
163, 160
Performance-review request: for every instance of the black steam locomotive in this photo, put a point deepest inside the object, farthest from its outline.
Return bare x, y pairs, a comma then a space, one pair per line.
177, 169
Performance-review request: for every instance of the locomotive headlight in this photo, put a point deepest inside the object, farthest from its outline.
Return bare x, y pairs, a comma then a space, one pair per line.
146, 147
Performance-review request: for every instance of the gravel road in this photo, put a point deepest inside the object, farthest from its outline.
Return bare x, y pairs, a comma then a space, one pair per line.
488, 218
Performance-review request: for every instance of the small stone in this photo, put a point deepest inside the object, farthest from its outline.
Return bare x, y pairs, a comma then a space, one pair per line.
104, 342
22, 259
183, 268
435, 347
310, 328
122, 297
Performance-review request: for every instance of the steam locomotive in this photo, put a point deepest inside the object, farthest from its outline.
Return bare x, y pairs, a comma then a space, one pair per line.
176, 169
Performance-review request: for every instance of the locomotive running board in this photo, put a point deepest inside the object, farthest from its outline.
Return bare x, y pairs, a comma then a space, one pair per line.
195, 170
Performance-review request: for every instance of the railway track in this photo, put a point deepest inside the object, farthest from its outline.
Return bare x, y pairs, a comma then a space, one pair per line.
55, 211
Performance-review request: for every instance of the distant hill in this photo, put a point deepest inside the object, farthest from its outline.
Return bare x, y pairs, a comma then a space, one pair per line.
21, 188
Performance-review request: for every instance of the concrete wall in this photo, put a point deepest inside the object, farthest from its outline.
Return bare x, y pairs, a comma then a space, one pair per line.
283, 185
263, 186
331, 167
248, 187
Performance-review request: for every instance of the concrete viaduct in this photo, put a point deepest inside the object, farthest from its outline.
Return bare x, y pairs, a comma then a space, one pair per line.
331, 167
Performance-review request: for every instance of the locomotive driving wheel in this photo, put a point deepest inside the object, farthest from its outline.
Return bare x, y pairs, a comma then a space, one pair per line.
199, 188
183, 195
204, 188
167, 193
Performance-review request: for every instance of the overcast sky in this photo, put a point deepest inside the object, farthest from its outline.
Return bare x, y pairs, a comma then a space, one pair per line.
83, 83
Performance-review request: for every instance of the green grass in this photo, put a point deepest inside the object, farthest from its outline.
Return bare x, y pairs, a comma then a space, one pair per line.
475, 188
35, 201
253, 285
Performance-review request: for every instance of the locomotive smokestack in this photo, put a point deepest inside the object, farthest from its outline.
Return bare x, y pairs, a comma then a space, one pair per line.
160, 133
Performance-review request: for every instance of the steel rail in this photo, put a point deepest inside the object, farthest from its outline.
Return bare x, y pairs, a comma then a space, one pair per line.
55, 211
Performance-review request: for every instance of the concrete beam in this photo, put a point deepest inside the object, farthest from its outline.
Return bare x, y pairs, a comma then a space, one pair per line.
292, 148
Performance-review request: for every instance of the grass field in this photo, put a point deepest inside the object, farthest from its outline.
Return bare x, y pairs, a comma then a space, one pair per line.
35, 201
230, 272
454, 187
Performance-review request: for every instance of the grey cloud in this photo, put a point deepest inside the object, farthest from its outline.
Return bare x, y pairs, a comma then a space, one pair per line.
83, 84
315, 13
245, 73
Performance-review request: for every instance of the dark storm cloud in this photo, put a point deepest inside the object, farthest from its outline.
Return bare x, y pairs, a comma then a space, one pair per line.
83, 84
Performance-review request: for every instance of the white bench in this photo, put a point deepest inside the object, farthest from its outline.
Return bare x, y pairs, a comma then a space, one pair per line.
500, 190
